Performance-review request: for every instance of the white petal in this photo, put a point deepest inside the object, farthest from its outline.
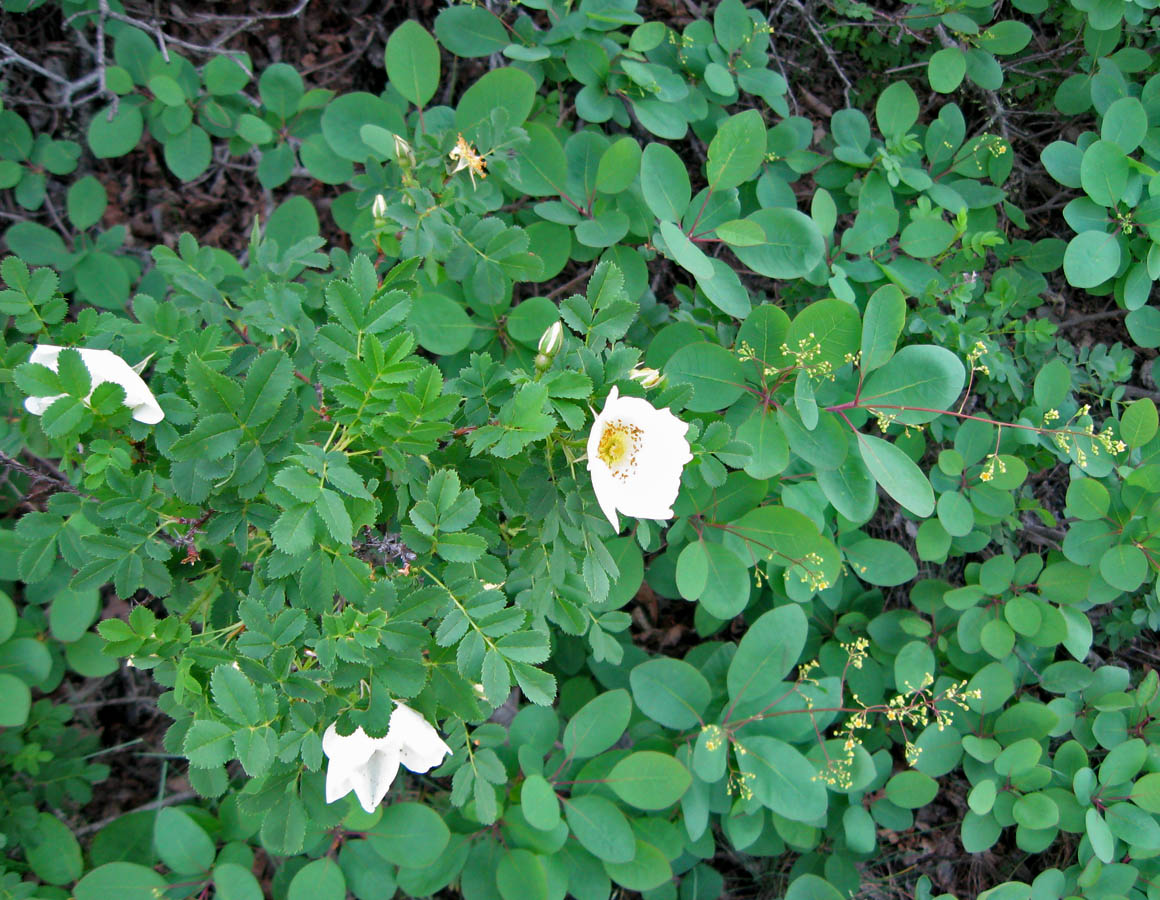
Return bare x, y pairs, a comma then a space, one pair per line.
607, 490
348, 751
37, 405
420, 747
105, 365
378, 774
46, 355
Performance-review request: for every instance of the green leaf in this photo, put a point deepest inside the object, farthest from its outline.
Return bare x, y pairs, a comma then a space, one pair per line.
188, 154
1102, 841
543, 168
600, 828
520, 875
598, 724
619, 166
1124, 567
540, 804
321, 879
123, 880
86, 202
768, 650
715, 374
509, 89
897, 474
52, 851
37, 380
284, 828
1138, 424
209, 744
671, 692
409, 834
15, 701
1104, 173
649, 780
687, 255
896, 110
881, 325
1125, 124
945, 69
412, 60
280, 87
792, 248
648, 869
181, 843
235, 695
664, 182
911, 789
116, 137
918, 375
470, 31
293, 533
233, 882
334, 515
782, 779
736, 151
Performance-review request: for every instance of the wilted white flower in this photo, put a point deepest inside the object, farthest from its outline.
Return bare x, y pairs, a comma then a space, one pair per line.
367, 765
467, 157
636, 453
103, 365
646, 377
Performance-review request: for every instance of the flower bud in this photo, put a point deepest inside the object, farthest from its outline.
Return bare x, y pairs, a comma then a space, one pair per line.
404, 154
379, 209
551, 339
646, 378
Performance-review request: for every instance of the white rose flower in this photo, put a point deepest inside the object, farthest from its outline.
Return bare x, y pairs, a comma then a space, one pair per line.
367, 765
103, 365
636, 453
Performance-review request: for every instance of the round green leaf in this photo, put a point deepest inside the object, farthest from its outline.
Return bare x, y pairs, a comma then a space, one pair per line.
813, 887
648, 869
1036, 810
649, 780
715, 374
412, 60
664, 181
540, 804
897, 474
344, 117
123, 880
321, 879
15, 701
600, 828
737, 150
793, 244
86, 657
118, 136
598, 724
914, 667
782, 779
896, 110
409, 834
1104, 172
441, 326
520, 875
280, 87
1124, 567
1102, 841
71, 614
619, 166
768, 650
919, 375
911, 789
671, 692
188, 154
86, 202
232, 881
181, 843
1125, 124
946, 69
880, 562
471, 31
510, 89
